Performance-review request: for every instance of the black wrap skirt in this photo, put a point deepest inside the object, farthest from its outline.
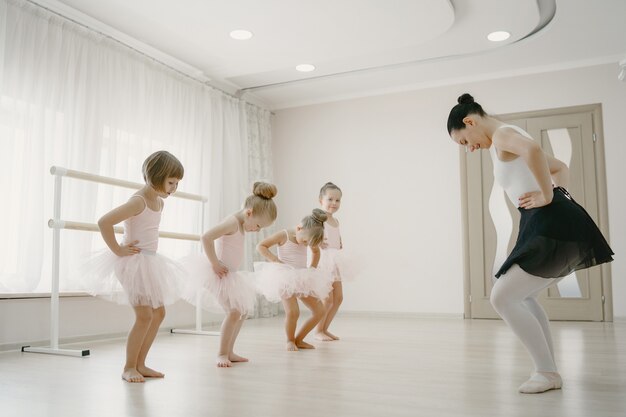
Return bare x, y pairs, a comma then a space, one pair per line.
556, 239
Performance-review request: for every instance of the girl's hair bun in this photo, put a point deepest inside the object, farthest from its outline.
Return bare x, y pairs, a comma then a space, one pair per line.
264, 190
314, 224
319, 215
465, 99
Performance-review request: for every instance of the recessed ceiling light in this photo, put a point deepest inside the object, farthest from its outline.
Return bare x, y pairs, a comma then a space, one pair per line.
305, 67
498, 36
240, 34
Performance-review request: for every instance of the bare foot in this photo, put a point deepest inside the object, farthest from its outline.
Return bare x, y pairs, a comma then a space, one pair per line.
323, 337
329, 334
222, 361
149, 373
132, 375
291, 346
301, 344
236, 358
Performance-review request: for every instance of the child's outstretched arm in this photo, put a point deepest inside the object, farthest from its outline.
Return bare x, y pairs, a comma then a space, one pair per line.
131, 208
227, 227
264, 246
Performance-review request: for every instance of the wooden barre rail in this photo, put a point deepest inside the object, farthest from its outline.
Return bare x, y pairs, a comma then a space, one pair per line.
64, 172
92, 227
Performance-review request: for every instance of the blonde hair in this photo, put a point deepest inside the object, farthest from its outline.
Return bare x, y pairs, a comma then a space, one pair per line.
261, 201
314, 224
329, 186
160, 166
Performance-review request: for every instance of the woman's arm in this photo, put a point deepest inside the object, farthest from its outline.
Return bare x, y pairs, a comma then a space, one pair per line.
559, 171
509, 140
131, 208
264, 246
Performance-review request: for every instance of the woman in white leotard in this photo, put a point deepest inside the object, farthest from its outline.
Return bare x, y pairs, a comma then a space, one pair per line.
556, 235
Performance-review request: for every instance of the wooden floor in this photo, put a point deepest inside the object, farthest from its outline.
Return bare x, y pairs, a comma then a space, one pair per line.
382, 367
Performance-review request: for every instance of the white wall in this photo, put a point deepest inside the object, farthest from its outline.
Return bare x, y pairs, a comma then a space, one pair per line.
27, 321
400, 175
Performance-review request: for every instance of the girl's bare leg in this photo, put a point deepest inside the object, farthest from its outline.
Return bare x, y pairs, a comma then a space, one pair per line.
331, 305
292, 312
136, 337
158, 314
317, 308
227, 331
231, 355
337, 300
320, 329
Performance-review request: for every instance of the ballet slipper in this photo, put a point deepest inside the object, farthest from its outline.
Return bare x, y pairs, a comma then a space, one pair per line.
541, 382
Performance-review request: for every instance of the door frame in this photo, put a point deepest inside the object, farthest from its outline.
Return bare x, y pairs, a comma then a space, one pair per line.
602, 198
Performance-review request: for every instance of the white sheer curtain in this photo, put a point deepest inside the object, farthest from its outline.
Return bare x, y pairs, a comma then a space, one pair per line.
259, 157
74, 98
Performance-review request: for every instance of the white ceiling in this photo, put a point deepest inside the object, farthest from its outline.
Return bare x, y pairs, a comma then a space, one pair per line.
359, 47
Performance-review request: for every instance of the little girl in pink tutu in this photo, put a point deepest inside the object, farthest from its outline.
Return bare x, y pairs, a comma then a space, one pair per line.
215, 275
149, 280
333, 259
286, 277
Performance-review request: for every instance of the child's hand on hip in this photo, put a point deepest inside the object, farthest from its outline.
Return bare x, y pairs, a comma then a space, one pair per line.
220, 269
129, 249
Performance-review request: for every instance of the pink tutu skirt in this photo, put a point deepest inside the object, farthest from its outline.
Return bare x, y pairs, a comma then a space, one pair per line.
338, 263
234, 291
144, 279
277, 281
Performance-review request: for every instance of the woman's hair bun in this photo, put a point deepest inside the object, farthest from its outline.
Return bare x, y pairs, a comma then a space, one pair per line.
319, 215
466, 99
264, 190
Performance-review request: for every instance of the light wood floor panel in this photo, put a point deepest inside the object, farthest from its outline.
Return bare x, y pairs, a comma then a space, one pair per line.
382, 367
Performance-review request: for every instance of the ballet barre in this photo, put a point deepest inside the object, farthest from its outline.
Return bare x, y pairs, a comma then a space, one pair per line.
70, 173
92, 227
56, 224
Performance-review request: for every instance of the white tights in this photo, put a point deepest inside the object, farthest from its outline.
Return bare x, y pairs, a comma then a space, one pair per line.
514, 297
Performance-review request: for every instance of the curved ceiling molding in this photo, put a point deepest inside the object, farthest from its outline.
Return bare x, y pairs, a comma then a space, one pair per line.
546, 11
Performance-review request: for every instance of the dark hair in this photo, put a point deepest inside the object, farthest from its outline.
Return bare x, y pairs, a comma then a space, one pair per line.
466, 106
329, 186
160, 166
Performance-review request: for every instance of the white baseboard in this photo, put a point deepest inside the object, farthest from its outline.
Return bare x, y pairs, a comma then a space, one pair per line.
399, 315
388, 315
85, 339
